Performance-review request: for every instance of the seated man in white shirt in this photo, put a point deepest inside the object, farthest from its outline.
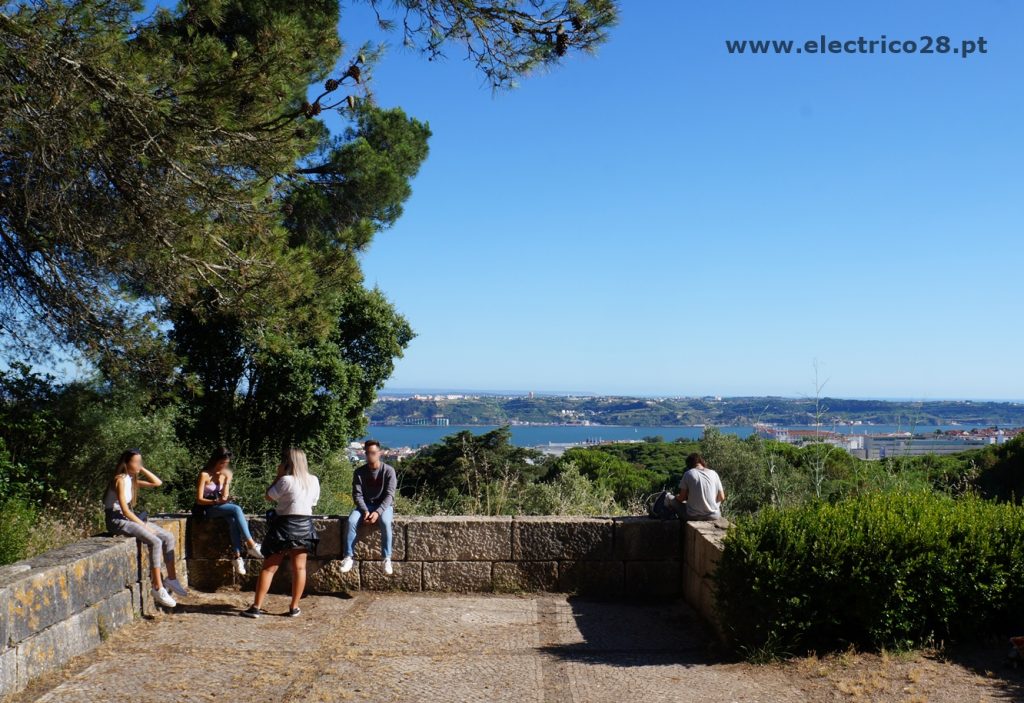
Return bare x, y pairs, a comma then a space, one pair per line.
700, 491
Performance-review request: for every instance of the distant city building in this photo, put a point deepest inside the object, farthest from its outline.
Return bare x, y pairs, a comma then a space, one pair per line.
880, 446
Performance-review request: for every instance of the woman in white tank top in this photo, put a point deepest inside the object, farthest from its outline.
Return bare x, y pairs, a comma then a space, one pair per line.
121, 518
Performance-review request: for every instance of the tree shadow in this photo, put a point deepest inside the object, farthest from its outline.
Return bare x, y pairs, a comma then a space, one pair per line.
990, 659
216, 608
627, 633
341, 595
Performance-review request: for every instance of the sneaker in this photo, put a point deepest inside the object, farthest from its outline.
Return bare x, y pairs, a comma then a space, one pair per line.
388, 569
254, 551
252, 612
294, 612
175, 585
346, 565
162, 597
238, 566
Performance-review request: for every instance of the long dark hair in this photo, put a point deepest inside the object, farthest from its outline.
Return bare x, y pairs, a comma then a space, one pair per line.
121, 469
219, 454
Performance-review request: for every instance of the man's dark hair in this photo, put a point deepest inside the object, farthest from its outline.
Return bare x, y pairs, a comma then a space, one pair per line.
693, 460
370, 443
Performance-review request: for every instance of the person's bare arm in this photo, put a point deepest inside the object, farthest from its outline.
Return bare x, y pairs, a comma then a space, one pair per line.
125, 501
204, 478
271, 496
151, 480
225, 492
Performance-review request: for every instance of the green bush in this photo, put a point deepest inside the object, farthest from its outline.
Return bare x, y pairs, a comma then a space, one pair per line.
898, 569
626, 481
17, 517
103, 427
27, 529
568, 493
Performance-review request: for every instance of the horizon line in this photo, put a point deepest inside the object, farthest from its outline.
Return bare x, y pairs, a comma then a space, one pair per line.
563, 393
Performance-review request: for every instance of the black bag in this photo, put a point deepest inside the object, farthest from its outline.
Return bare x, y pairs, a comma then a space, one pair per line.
112, 514
658, 507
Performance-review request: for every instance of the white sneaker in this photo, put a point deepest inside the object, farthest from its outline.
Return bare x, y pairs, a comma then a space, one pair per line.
346, 565
161, 596
238, 565
254, 551
388, 569
175, 585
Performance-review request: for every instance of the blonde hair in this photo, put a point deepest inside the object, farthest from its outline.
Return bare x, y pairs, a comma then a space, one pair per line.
295, 465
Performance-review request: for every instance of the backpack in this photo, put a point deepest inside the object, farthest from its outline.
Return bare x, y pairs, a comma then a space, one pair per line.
659, 506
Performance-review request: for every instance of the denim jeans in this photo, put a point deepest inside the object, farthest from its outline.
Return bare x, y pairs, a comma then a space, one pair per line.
356, 518
237, 523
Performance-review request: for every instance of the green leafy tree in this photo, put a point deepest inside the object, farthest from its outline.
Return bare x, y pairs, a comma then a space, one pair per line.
165, 161
471, 472
737, 461
627, 482
174, 208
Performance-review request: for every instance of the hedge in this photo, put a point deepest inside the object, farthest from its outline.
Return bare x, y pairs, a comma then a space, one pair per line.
883, 570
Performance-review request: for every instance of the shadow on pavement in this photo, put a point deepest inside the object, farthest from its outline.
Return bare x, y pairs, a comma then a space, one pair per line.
630, 634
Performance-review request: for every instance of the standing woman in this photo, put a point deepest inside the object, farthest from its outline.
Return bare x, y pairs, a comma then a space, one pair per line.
119, 502
213, 500
290, 532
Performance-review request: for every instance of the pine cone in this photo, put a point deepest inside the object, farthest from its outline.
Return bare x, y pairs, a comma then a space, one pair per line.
562, 44
331, 85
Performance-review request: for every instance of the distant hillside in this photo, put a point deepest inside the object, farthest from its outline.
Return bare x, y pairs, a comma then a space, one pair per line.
641, 412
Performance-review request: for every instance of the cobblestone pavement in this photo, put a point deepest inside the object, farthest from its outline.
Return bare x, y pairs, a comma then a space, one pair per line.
433, 647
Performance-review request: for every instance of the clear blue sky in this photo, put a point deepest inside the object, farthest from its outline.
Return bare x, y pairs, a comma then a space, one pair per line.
666, 218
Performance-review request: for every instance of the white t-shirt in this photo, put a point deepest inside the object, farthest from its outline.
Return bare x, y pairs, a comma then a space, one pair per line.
111, 501
702, 488
292, 498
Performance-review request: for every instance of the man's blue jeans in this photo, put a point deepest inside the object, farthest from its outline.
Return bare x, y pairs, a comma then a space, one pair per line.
354, 520
237, 523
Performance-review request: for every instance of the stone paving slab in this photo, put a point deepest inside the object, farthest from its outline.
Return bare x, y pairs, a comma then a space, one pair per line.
399, 647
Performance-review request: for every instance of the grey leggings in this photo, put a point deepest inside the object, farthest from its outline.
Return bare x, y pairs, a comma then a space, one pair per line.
160, 541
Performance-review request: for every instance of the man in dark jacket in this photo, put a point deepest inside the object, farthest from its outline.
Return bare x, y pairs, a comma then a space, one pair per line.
373, 492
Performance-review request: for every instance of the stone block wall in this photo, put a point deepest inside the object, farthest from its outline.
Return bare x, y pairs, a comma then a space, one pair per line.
62, 603
66, 601
702, 548
632, 556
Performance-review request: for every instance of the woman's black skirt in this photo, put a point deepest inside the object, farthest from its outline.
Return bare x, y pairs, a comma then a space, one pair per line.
286, 532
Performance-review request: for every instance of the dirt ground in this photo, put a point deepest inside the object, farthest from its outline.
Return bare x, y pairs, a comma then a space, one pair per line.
434, 647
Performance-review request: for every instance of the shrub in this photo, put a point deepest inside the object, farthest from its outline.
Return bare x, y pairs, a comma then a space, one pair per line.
96, 428
27, 529
569, 493
899, 569
625, 480
17, 517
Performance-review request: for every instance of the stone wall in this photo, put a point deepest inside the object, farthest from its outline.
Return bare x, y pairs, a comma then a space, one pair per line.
702, 548
631, 556
66, 601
